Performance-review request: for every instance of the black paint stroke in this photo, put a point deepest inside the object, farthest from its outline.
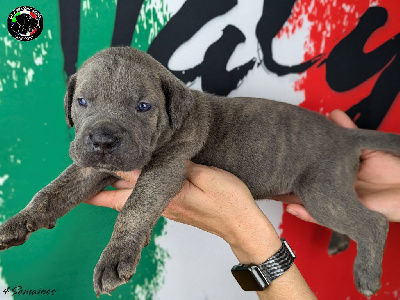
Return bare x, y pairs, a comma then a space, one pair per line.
370, 111
193, 15
69, 26
184, 24
275, 14
214, 76
126, 17
348, 65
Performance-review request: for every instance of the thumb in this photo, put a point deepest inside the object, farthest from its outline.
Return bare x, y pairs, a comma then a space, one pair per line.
340, 118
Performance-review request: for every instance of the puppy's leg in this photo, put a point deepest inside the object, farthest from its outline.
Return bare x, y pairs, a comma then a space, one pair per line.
334, 203
338, 243
156, 186
73, 186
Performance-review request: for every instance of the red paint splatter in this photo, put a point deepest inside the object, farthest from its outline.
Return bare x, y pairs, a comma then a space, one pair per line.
332, 277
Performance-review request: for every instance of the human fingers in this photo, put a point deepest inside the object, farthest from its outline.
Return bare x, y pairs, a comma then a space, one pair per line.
131, 176
384, 199
122, 185
340, 118
129, 179
114, 199
198, 175
300, 211
287, 198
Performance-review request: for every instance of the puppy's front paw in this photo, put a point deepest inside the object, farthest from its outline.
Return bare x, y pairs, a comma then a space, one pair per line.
16, 230
116, 266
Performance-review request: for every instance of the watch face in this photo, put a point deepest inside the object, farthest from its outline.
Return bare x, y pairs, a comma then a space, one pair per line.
249, 278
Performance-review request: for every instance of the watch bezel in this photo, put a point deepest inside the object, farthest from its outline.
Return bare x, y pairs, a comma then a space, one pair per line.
250, 277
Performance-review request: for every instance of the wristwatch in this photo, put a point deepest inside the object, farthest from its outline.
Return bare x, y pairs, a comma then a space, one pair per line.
257, 277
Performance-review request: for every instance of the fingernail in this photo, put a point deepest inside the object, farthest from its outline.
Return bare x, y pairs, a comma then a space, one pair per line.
292, 212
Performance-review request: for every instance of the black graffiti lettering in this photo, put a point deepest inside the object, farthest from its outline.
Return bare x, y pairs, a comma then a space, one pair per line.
348, 65
184, 24
370, 111
275, 14
214, 76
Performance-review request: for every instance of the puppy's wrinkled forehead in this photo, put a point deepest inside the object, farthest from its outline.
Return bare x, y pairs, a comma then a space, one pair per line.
111, 75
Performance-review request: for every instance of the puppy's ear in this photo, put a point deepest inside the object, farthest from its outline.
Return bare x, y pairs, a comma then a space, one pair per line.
69, 94
179, 100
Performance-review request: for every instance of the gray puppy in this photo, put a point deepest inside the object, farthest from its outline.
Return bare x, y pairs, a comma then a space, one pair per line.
132, 113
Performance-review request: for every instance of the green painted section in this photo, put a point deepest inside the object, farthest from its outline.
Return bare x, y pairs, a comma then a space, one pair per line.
34, 150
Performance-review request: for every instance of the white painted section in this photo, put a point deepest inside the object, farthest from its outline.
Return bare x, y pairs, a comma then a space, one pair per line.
200, 263
4, 286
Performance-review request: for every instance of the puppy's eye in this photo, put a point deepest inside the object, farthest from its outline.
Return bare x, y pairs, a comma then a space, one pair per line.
82, 102
143, 106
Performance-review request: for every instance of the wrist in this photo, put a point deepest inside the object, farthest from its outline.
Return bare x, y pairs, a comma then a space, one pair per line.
254, 242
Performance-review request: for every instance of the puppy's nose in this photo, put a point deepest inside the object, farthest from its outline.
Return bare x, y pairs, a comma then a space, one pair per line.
103, 142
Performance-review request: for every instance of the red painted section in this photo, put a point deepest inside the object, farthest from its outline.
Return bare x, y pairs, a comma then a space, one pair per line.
332, 277
318, 95
32, 14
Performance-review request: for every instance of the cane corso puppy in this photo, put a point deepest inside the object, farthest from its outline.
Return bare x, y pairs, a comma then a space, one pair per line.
131, 113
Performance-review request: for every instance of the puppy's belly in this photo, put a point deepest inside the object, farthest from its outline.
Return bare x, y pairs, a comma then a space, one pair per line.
263, 179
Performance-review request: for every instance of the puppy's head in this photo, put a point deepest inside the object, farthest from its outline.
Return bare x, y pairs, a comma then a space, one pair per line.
123, 103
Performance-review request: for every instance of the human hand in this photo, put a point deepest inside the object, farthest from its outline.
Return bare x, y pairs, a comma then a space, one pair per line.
218, 202
215, 201
377, 184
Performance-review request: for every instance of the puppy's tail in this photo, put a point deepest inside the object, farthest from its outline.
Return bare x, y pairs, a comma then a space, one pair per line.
376, 140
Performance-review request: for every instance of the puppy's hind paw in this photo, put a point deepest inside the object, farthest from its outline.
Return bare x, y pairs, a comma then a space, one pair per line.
338, 243
367, 285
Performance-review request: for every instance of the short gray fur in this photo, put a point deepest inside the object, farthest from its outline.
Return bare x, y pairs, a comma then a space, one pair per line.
275, 148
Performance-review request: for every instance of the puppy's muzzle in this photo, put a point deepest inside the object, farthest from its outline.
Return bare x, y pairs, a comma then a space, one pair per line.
102, 140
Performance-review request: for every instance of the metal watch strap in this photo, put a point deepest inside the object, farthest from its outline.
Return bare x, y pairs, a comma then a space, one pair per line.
257, 277
277, 264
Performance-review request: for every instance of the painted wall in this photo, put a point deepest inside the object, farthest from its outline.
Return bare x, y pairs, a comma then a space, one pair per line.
305, 52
